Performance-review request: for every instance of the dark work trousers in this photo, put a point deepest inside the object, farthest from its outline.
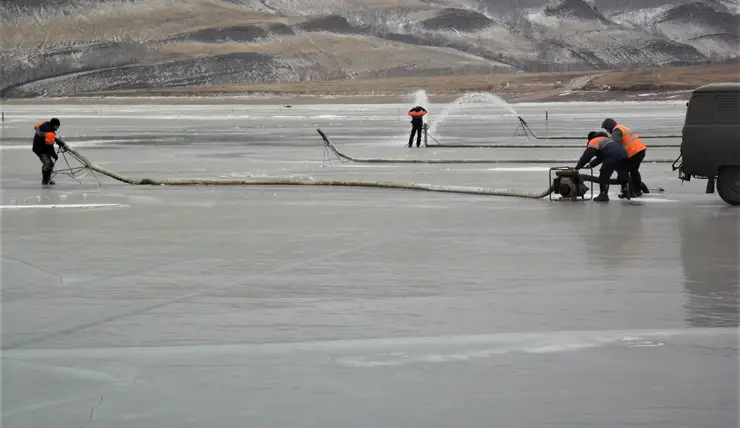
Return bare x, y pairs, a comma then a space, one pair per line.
416, 128
47, 166
605, 174
633, 166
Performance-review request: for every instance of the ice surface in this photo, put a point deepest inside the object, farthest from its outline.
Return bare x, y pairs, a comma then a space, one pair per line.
302, 306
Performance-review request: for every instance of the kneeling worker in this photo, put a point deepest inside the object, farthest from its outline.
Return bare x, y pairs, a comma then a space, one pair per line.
613, 156
417, 124
43, 145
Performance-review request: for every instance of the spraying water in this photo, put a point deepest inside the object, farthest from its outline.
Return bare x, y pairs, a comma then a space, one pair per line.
421, 98
480, 99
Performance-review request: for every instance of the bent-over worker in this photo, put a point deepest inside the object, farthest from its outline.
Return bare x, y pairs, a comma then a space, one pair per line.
43, 146
613, 157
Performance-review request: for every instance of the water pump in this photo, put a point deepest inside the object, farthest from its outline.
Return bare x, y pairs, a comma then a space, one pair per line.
568, 184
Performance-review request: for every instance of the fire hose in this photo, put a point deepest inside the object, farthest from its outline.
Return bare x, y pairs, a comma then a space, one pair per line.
298, 182
329, 145
528, 131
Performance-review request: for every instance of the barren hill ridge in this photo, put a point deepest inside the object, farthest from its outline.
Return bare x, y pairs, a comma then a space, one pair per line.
69, 47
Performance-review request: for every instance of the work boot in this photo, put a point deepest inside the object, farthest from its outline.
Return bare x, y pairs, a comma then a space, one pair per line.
602, 197
626, 193
46, 178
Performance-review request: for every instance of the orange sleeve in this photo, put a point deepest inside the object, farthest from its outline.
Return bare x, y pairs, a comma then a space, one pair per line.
50, 137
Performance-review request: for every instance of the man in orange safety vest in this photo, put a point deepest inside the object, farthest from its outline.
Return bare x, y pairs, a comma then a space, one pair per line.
417, 124
44, 137
635, 152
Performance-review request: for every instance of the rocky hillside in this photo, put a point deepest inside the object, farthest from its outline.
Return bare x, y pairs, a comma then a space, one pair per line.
69, 47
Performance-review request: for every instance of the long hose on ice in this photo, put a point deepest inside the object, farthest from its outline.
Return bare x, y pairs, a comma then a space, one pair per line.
528, 131
296, 182
527, 146
328, 145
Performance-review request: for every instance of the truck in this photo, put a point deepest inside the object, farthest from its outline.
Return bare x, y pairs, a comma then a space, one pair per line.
710, 141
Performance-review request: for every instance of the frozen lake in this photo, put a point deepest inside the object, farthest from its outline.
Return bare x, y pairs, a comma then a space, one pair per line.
157, 306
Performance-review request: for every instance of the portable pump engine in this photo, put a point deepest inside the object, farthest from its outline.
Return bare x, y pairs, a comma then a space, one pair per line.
568, 184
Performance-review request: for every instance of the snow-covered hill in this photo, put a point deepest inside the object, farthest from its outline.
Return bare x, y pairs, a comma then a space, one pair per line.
73, 46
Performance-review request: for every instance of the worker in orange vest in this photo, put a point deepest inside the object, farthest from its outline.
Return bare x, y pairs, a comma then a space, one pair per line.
635, 152
45, 135
614, 158
417, 124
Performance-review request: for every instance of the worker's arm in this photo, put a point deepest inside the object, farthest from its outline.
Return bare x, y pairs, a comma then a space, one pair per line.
594, 163
617, 135
50, 137
588, 154
39, 132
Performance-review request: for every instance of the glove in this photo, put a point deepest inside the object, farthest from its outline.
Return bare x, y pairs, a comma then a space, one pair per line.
62, 145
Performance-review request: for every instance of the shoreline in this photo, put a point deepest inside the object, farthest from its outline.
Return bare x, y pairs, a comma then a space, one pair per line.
326, 99
654, 84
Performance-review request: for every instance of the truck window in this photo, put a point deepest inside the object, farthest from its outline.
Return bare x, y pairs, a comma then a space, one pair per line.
717, 108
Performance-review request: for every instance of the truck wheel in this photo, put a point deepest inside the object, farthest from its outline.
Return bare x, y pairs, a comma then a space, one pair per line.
728, 184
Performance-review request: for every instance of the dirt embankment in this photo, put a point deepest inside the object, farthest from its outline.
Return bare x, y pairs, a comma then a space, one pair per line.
666, 79
643, 85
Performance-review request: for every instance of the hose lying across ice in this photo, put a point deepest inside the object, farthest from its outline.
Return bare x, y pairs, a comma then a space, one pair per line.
330, 146
296, 182
528, 146
526, 127
528, 131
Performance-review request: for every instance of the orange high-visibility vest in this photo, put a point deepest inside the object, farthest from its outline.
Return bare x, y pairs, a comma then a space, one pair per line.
630, 141
597, 142
417, 113
49, 137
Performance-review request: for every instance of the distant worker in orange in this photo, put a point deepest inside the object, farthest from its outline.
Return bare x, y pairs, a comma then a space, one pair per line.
45, 136
635, 153
417, 124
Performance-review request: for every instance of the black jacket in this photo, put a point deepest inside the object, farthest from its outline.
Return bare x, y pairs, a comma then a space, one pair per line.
44, 139
604, 150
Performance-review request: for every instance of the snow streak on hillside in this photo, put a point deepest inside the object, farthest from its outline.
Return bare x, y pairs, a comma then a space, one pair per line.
72, 46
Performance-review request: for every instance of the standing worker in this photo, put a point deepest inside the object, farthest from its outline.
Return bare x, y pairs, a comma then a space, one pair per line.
635, 152
43, 145
417, 124
614, 158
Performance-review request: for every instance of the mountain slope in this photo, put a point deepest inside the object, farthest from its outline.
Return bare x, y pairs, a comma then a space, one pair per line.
73, 46
707, 26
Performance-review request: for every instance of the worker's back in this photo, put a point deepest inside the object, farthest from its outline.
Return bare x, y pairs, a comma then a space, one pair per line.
417, 114
608, 148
